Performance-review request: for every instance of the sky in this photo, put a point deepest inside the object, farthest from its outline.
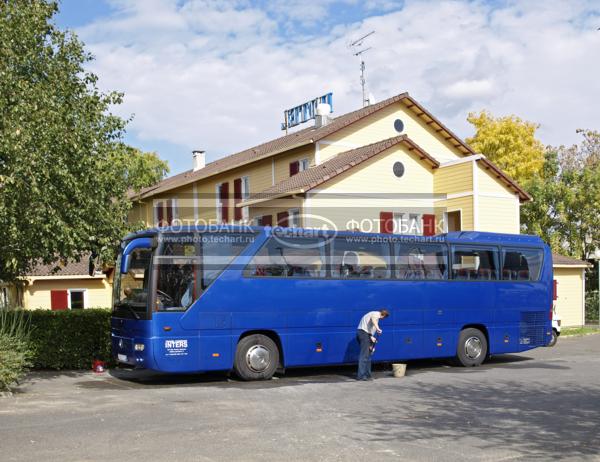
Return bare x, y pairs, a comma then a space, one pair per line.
217, 76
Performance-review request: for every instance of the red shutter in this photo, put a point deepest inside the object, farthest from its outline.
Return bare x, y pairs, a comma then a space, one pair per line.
237, 198
386, 222
159, 214
59, 300
554, 289
225, 202
169, 212
428, 225
294, 167
266, 220
282, 219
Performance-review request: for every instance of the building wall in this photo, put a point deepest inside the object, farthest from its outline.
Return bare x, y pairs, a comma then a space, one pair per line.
570, 302
356, 198
98, 292
380, 126
453, 179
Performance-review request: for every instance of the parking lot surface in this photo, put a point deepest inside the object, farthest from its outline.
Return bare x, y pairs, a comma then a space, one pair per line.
538, 405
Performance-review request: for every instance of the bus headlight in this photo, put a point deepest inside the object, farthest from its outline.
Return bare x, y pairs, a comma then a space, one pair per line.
138, 347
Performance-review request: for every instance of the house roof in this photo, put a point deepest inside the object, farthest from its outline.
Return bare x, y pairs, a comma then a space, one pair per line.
319, 174
300, 138
71, 268
562, 260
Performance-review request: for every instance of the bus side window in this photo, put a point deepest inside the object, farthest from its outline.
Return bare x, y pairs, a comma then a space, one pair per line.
360, 260
474, 263
289, 257
521, 264
422, 261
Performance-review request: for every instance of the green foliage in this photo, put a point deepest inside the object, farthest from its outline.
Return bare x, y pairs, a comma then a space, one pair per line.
509, 142
567, 198
69, 339
64, 169
591, 306
14, 347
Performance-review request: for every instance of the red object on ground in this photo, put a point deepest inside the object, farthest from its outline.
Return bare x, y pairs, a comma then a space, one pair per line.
98, 366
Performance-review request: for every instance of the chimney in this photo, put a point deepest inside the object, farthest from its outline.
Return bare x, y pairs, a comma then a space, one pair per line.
322, 118
199, 159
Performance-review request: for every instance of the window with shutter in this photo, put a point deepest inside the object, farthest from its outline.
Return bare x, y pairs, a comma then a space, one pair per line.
159, 214
59, 300
428, 225
237, 198
169, 212
294, 167
225, 202
386, 222
282, 219
266, 220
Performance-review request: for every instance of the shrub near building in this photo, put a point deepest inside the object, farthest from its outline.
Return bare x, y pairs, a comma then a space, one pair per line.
68, 339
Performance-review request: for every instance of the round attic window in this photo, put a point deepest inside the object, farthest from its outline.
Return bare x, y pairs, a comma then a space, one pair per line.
398, 125
398, 169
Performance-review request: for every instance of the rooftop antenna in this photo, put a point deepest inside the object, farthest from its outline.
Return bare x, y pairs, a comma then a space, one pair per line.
359, 52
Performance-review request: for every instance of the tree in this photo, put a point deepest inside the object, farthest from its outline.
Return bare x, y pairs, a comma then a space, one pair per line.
567, 198
510, 143
64, 169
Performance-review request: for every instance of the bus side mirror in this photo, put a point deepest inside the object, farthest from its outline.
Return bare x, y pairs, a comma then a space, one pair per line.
139, 243
125, 262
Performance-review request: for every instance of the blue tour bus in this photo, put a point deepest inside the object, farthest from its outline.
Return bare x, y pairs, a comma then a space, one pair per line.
254, 299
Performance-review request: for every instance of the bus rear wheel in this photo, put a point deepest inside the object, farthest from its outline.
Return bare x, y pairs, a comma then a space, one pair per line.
472, 348
256, 358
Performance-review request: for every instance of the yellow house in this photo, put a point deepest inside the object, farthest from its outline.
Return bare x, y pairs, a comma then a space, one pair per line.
387, 167
392, 157
70, 287
570, 289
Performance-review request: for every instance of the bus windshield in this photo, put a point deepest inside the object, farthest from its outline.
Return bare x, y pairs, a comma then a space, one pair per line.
130, 296
187, 264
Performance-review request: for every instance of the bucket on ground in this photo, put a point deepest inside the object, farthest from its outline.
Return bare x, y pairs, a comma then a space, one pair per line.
399, 369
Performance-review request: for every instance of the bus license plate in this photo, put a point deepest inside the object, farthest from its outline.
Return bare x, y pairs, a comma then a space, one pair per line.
122, 357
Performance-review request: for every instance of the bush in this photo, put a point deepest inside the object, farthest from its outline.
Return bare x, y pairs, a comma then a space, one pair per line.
15, 351
591, 306
69, 339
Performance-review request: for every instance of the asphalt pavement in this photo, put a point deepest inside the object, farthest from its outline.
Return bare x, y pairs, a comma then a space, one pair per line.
537, 405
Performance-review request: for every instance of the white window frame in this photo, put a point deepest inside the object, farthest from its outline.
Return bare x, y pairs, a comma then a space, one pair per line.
85, 297
401, 218
294, 212
303, 164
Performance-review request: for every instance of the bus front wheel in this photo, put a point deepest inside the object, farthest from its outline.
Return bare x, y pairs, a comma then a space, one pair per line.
256, 358
472, 347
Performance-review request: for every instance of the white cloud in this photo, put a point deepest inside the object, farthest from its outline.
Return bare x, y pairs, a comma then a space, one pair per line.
218, 75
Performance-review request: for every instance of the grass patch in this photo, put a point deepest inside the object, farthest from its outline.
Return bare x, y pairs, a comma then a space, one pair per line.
573, 331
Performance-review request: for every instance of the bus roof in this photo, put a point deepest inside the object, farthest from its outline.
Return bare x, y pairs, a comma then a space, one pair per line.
452, 237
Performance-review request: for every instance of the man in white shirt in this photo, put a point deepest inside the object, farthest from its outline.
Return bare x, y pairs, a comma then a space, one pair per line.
365, 334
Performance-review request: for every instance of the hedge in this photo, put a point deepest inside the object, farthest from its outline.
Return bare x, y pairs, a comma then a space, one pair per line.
69, 339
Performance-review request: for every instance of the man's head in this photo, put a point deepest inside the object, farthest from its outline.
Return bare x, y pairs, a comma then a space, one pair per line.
384, 313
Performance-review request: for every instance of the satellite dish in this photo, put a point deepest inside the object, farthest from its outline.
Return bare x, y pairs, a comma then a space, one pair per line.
372, 99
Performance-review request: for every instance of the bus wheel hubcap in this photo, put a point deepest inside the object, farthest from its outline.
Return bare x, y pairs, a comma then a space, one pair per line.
473, 347
258, 358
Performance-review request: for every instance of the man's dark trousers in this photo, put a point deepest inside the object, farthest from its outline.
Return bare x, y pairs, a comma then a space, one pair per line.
364, 359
